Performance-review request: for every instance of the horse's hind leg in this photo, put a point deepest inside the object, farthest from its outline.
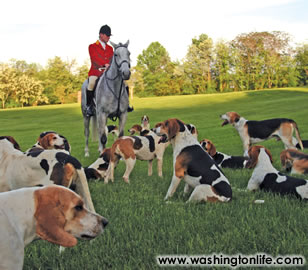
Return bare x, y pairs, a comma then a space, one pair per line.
86, 122
102, 121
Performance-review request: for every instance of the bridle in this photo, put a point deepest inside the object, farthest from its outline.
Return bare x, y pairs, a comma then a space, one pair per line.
118, 65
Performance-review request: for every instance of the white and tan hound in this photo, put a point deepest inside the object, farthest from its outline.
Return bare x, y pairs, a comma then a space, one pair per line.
41, 168
252, 132
131, 148
266, 177
145, 122
224, 160
192, 164
52, 213
294, 161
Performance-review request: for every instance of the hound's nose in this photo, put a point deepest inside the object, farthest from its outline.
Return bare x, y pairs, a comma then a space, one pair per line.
104, 222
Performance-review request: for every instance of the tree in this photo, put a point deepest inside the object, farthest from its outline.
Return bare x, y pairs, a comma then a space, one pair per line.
222, 66
58, 80
258, 56
197, 65
28, 91
155, 67
301, 58
7, 87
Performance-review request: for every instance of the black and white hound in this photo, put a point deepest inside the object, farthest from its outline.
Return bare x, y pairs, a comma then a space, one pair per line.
266, 177
256, 131
192, 164
224, 160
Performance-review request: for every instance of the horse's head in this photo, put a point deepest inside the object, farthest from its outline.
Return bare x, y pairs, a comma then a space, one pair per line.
121, 58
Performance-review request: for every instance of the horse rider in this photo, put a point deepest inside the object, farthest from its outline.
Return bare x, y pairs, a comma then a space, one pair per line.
100, 54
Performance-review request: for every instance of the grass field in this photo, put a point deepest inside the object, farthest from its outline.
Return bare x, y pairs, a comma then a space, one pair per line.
142, 225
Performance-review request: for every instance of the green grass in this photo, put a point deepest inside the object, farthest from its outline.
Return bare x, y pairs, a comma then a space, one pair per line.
142, 225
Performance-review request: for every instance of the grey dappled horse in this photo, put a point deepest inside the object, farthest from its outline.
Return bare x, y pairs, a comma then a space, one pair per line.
110, 95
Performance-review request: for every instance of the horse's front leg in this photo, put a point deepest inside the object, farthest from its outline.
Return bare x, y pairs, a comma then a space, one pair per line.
101, 124
122, 122
86, 122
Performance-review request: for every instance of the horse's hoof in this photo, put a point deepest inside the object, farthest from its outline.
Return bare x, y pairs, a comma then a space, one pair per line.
86, 155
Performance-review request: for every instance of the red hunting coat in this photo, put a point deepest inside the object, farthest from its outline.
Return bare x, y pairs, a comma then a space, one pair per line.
99, 57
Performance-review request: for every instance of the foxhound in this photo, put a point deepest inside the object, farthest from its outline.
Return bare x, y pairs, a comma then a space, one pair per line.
41, 167
98, 169
131, 148
267, 178
12, 140
138, 129
294, 161
224, 160
52, 213
193, 164
51, 140
256, 131
145, 122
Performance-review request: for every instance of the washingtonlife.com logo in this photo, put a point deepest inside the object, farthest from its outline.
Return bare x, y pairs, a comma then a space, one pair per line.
231, 261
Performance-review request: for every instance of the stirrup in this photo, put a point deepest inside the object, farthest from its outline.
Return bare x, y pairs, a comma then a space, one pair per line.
130, 109
89, 111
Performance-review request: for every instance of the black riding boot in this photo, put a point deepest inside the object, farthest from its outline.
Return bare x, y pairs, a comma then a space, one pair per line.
129, 109
90, 107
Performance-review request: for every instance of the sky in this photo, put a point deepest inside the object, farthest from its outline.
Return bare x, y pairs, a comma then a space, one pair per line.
36, 30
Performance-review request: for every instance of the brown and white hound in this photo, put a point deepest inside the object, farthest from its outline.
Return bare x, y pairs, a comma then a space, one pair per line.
294, 161
131, 148
266, 177
41, 168
51, 140
52, 213
224, 160
192, 164
256, 131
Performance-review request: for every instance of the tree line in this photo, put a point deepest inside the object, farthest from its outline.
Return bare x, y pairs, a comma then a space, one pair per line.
251, 61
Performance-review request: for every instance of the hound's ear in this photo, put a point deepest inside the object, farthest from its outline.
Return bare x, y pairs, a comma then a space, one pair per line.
44, 141
211, 148
113, 44
283, 158
173, 128
50, 220
253, 158
126, 44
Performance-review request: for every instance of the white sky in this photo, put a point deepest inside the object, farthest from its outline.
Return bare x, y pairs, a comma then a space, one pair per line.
38, 30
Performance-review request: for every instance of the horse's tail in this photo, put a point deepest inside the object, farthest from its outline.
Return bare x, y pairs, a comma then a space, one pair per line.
94, 128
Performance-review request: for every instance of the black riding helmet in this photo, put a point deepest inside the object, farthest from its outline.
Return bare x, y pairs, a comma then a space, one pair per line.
105, 29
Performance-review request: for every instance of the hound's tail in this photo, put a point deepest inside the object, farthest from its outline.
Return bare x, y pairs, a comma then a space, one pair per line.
82, 189
298, 137
94, 128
